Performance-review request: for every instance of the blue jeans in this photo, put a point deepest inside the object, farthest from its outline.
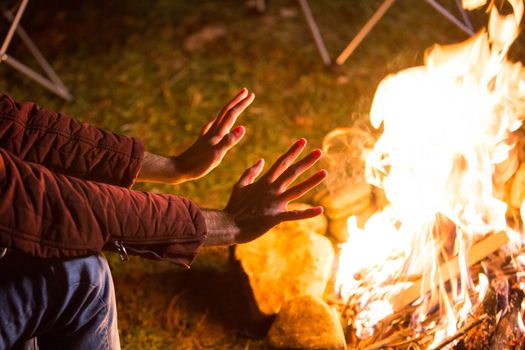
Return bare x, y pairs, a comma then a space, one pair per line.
63, 304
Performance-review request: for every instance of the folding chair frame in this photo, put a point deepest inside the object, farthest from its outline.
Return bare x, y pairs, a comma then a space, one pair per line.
465, 25
52, 82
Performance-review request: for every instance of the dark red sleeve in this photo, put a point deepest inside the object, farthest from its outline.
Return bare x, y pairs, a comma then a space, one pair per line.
67, 146
49, 215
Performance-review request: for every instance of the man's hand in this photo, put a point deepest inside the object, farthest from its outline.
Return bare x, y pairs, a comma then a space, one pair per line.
257, 206
215, 140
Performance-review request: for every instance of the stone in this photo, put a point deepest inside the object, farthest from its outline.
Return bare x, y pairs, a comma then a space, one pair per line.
347, 201
307, 322
345, 151
282, 265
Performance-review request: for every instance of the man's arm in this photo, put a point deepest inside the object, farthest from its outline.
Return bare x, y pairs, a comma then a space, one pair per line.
69, 147
257, 206
50, 215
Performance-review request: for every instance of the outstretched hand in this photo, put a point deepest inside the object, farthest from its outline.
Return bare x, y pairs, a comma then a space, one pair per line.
215, 140
257, 206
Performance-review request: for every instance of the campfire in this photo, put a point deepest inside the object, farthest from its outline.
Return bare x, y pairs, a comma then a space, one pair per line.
440, 264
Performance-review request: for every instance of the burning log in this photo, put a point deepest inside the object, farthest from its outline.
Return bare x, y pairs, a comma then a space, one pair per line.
450, 269
510, 333
496, 332
480, 337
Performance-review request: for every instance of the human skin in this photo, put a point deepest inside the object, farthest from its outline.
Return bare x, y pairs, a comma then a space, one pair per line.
255, 205
215, 140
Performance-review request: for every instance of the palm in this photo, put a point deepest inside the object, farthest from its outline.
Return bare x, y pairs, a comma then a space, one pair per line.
258, 206
215, 140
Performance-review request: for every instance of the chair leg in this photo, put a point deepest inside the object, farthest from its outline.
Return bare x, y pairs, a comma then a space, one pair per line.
52, 81
450, 17
22, 68
349, 49
41, 59
314, 29
466, 18
15, 20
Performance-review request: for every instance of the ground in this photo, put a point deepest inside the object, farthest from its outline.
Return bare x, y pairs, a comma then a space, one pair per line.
160, 69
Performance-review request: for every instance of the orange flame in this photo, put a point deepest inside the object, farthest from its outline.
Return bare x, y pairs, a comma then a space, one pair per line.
446, 150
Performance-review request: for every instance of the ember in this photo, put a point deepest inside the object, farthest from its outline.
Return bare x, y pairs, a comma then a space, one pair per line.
443, 262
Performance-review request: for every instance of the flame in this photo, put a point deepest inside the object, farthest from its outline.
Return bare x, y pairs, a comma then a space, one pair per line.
446, 151
473, 4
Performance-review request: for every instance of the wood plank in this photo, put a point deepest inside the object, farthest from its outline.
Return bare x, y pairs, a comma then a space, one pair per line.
480, 250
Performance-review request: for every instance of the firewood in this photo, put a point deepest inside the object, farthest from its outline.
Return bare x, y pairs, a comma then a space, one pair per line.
480, 337
461, 333
508, 334
450, 269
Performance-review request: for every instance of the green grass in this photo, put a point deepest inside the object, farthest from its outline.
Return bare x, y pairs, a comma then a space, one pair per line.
126, 64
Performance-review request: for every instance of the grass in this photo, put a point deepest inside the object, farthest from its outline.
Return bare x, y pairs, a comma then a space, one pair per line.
128, 68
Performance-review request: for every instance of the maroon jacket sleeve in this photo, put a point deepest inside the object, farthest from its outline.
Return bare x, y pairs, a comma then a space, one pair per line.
50, 215
67, 146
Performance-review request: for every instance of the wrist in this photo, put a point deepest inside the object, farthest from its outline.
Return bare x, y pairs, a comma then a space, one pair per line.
221, 228
157, 168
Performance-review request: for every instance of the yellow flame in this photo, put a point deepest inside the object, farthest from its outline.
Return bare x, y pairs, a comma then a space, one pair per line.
444, 154
473, 4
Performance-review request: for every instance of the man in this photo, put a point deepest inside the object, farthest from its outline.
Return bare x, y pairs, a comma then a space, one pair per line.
64, 198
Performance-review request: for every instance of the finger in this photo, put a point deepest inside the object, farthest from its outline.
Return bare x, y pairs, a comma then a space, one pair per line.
240, 96
250, 174
231, 139
299, 214
299, 190
207, 127
234, 101
285, 160
224, 124
294, 171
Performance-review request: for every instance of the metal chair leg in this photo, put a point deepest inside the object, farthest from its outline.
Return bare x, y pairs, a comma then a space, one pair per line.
349, 49
466, 18
22, 68
14, 23
50, 72
52, 82
464, 27
312, 24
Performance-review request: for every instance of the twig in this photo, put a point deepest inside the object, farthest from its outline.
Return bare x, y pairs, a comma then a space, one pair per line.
462, 332
394, 337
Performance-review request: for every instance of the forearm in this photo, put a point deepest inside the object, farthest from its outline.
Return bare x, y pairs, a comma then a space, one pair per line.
67, 146
157, 168
221, 228
50, 215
